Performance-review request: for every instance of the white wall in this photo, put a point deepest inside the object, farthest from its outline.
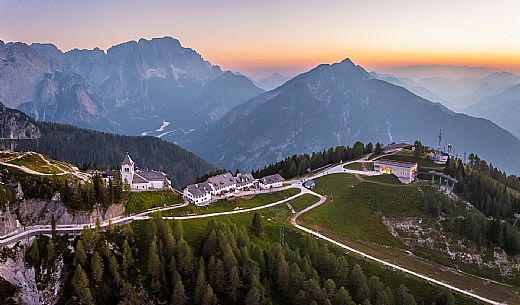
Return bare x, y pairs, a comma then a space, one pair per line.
271, 185
157, 184
140, 186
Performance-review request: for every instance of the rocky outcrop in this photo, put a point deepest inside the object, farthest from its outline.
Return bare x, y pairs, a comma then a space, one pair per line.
14, 270
64, 97
8, 222
39, 212
16, 125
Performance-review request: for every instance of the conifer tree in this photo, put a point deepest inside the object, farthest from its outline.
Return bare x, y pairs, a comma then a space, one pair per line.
179, 295
233, 284
253, 297
358, 284
178, 231
113, 266
403, 296
96, 267
127, 257
342, 297
217, 275
257, 224
80, 284
80, 254
209, 297
200, 283
184, 257
153, 267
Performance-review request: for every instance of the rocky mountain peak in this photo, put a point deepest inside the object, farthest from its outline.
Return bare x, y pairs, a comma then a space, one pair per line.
138, 84
47, 49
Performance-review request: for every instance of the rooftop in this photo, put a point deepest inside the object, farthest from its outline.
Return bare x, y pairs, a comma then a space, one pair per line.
222, 180
244, 178
127, 160
395, 163
272, 179
199, 189
151, 175
139, 179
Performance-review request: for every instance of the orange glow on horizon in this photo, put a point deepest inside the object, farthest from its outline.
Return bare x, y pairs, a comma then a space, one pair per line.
370, 60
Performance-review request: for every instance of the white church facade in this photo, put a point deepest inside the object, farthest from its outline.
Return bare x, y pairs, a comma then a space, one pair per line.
141, 180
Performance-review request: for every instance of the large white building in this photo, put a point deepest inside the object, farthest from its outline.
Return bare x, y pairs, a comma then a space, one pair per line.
406, 172
202, 193
271, 181
141, 180
223, 183
245, 181
199, 193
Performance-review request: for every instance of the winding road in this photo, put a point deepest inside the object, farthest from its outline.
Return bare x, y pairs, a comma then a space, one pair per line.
31, 231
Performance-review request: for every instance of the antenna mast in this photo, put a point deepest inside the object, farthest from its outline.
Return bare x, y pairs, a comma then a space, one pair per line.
440, 139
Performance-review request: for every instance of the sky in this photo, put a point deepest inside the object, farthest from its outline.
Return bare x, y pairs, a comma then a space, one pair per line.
260, 37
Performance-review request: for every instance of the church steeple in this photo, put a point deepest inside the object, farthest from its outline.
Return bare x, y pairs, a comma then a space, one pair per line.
127, 169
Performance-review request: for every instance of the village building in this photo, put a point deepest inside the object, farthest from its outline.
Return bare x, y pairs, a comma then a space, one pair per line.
406, 172
310, 184
199, 193
142, 180
271, 181
245, 181
223, 183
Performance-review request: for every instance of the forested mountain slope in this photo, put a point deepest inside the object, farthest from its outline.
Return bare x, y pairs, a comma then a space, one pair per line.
82, 146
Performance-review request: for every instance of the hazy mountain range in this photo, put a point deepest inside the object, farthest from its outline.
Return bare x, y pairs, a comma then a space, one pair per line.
455, 87
132, 88
503, 109
339, 104
157, 87
480, 92
272, 81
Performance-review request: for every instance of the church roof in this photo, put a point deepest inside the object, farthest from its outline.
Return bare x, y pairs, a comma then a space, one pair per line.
152, 175
139, 179
127, 160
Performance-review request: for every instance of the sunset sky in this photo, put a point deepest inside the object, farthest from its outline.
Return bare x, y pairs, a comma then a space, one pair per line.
287, 36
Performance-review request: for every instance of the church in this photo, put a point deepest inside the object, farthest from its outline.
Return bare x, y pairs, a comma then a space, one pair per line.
141, 180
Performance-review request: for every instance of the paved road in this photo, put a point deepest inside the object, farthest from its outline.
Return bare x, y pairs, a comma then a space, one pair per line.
76, 228
292, 184
322, 199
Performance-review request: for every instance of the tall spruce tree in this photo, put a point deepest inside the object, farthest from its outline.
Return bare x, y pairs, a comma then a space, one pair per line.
80, 284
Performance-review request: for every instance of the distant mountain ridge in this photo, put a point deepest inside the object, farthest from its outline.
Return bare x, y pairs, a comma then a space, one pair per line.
272, 81
339, 104
456, 87
80, 146
503, 109
130, 89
